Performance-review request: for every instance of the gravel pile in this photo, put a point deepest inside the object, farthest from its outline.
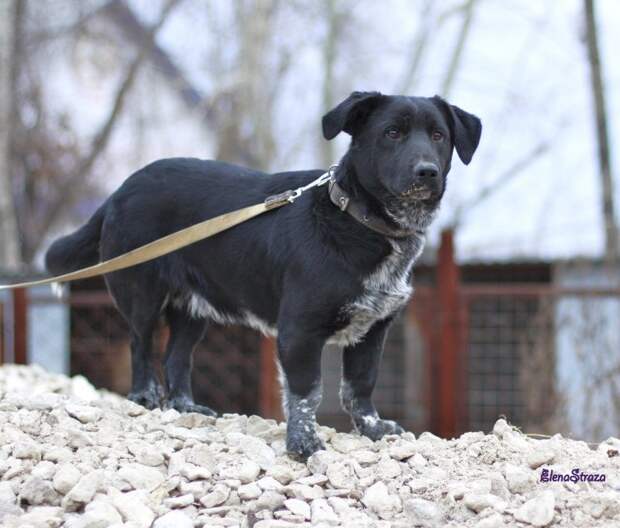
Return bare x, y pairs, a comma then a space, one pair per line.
76, 457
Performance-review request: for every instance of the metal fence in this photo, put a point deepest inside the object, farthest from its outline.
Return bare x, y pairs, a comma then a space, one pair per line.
463, 354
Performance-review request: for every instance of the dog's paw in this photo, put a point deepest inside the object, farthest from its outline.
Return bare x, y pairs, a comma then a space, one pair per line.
302, 442
376, 428
185, 405
151, 397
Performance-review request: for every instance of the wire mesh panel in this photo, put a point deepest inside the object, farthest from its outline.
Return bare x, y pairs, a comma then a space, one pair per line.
227, 370
497, 329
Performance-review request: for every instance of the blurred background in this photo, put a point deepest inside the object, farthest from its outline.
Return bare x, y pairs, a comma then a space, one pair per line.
517, 304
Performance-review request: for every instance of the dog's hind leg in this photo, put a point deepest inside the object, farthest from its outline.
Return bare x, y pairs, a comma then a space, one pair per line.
300, 362
185, 333
140, 303
360, 367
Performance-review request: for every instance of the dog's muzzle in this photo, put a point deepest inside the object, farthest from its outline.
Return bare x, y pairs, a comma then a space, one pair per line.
417, 192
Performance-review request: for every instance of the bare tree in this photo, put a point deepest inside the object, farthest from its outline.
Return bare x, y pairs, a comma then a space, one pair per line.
334, 18
612, 253
459, 46
11, 12
419, 46
50, 169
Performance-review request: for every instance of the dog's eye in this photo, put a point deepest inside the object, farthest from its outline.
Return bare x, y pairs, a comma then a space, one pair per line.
436, 135
393, 133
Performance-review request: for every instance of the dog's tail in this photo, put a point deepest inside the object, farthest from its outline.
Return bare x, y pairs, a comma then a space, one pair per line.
77, 250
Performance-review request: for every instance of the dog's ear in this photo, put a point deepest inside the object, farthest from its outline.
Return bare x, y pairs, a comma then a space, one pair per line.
349, 114
465, 128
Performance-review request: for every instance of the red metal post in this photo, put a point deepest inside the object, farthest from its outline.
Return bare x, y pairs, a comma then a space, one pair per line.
449, 386
269, 389
20, 326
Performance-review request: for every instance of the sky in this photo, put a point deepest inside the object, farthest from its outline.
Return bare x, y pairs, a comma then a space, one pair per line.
524, 73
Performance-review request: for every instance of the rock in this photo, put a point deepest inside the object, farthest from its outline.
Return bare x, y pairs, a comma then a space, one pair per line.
174, 519
179, 502
322, 512
7, 495
537, 458
243, 470
145, 454
377, 498
83, 491
26, 450
83, 413
192, 472
422, 512
492, 521
201, 456
101, 513
8, 500
298, 507
132, 506
456, 490
346, 443
478, 502
305, 492
141, 476
249, 491
501, 428
282, 473
270, 500
36, 491
387, 469
320, 461
67, 476
193, 420
39, 517
258, 451
538, 511
313, 480
519, 479
269, 483
340, 475
365, 456
216, 496
418, 462
401, 450
82, 390
44, 470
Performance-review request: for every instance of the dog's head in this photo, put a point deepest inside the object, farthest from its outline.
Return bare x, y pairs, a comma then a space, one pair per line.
401, 147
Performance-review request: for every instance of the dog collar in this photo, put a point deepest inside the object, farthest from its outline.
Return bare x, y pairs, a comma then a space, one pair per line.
341, 199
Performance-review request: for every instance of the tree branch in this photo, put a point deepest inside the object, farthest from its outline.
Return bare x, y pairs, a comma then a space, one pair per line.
517, 168
70, 189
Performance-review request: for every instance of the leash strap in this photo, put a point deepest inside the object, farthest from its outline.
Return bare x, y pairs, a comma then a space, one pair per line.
181, 238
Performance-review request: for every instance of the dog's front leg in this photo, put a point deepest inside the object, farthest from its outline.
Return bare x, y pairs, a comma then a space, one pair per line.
300, 368
360, 367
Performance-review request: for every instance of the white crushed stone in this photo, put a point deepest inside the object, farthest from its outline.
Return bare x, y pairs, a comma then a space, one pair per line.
76, 457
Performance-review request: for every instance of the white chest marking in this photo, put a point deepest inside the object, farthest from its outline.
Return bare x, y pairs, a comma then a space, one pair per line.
385, 290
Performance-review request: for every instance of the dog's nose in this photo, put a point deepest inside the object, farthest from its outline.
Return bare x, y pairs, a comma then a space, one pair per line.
426, 170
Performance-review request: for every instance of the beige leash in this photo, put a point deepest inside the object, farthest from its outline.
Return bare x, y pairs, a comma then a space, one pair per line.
180, 239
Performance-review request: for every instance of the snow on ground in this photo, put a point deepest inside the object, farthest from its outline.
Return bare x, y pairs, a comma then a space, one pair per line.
76, 457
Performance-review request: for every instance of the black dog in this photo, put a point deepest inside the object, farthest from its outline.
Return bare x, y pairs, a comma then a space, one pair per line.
334, 266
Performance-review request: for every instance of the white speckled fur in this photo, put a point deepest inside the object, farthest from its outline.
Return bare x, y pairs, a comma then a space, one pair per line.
199, 308
385, 290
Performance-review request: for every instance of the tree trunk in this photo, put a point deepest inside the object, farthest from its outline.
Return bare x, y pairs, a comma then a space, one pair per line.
329, 56
10, 13
457, 52
602, 136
